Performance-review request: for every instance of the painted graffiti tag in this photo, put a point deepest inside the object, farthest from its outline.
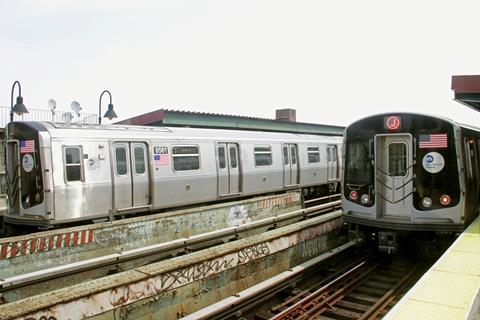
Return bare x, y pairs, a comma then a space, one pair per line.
193, 273
42, 318
253, 252
314, 247
124, 294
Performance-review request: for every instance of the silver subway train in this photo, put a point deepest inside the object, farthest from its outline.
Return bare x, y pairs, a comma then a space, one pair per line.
410, 172
61, 173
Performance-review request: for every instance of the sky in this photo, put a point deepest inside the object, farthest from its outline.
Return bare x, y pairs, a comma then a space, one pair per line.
332, 61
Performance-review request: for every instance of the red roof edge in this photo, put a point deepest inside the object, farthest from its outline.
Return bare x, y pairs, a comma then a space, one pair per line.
466, 84
145, 118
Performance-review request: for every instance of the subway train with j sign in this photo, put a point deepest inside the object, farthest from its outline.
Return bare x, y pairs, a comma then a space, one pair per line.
410, 179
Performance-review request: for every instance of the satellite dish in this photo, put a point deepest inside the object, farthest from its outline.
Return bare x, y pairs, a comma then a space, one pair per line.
67, 117
75, 106
52, 104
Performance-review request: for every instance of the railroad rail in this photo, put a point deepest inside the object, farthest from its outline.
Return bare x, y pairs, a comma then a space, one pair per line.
364, 292
29, 283
364, 286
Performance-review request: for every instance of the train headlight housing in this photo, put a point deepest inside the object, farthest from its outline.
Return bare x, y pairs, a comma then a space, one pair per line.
353, 195
427, 202
365, 199
445, 199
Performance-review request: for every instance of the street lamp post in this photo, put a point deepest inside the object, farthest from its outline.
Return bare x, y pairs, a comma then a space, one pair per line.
110, 114
19, 107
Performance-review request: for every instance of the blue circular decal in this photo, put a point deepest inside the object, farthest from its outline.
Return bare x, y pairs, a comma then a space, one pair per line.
433, 162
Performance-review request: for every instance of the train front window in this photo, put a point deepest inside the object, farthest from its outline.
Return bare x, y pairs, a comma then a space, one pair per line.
358, 167
397, 159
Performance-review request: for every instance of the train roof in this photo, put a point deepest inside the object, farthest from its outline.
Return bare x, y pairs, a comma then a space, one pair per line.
98, 131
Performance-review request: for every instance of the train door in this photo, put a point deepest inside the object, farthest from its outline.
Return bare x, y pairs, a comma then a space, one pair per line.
228, 169
131, 175
332, 162
290, 166
394, 175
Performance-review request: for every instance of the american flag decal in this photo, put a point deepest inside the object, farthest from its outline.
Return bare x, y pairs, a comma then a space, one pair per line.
430, 141
27, 146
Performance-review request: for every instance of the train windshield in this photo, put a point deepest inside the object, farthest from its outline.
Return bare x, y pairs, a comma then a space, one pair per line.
358, 163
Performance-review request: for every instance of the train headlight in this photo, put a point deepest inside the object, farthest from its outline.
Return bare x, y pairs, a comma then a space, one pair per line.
353, 195
365, 199
27, 201
427, 202
445, 200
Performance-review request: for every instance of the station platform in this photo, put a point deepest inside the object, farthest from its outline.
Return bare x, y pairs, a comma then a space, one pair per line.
450, 289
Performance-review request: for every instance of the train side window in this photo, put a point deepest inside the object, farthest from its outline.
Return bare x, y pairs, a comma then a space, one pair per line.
285, 155
221, 157
233, 157
263, 156
73, 163
293, 151
185, 158
313, 154
121, 160
139, 153
397, 159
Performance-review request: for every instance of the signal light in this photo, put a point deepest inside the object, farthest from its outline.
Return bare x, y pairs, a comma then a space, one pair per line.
445, 200
353, 195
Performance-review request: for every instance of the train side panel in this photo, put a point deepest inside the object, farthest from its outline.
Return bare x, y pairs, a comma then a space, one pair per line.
85, 191
193, 180
262, 169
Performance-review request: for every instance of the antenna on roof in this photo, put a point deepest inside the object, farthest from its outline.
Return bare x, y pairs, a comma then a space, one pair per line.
52, 105
75, 106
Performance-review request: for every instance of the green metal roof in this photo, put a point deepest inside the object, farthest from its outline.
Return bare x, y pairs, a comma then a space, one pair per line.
164, 117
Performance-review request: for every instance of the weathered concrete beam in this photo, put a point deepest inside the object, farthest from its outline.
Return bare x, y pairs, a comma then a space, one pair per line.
182, 285
30, 253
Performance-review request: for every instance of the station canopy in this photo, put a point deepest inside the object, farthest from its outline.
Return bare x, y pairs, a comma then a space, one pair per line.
176, 118
467, 90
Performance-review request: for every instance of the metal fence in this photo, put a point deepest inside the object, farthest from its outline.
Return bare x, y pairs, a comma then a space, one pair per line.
47, 115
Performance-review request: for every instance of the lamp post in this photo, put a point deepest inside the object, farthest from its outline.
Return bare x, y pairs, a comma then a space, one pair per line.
110, 114
19, 107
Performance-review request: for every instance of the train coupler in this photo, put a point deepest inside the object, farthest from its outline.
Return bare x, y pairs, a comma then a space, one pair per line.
388, 241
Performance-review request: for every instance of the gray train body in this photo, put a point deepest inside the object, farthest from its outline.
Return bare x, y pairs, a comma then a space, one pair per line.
63, 173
